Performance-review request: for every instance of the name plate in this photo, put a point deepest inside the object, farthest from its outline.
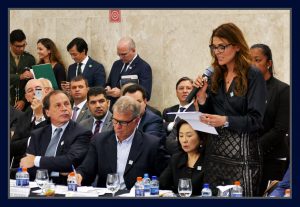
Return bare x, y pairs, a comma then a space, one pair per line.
19, 191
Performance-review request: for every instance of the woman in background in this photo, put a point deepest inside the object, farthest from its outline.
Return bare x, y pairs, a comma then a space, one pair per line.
234, 103
48, 53
188, 163
274, 140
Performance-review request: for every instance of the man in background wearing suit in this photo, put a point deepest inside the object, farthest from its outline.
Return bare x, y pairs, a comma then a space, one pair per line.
129, 63
183, 87
31, 119
126, 150
150, 122
98, 105
19, 60
79, 89
84, 65
59, 145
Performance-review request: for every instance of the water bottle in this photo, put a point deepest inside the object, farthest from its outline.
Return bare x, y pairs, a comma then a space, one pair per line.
206, 191
18, 176
139, 187
22, 177
72, 182
237, 190
25, 177
146, 183
154, 186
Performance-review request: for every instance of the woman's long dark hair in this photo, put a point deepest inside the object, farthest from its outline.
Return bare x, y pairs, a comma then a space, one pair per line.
234, 36
54, 53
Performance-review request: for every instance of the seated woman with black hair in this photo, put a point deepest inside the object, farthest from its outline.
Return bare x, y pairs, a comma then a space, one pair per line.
188, 163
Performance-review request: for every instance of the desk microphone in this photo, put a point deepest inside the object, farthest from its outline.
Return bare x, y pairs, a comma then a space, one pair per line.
207, 73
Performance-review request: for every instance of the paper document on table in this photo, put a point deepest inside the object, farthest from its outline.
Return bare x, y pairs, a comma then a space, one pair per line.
193, 118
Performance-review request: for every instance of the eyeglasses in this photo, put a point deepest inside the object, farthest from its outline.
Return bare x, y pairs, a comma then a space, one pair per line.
122, 123
220, 48
20, 46
123, 54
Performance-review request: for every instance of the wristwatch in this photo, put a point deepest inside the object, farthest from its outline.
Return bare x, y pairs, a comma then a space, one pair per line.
226, 124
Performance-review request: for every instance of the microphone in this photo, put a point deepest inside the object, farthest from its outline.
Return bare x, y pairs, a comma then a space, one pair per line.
207, 73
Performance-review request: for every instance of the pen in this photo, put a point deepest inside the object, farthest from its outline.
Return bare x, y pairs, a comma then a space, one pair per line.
74, 173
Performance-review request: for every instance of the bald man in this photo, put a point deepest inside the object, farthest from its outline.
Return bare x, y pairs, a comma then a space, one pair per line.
129, 63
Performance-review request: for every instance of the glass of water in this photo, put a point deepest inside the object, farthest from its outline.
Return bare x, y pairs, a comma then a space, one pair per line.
185, 187
113, 183
42, 179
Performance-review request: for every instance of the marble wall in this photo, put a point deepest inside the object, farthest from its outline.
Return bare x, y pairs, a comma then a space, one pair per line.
174, 42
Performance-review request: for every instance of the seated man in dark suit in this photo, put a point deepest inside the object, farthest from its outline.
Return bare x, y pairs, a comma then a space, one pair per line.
84, 65
59, 145
32, 118
126, 150
129, 63
98, 105
150, 122
79, 89
183, 87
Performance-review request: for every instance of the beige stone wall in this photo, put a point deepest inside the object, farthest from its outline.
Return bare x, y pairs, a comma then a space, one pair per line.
174, 42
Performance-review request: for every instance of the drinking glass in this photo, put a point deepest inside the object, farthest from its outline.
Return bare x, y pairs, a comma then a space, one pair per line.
113, 183
185, 187
42, 179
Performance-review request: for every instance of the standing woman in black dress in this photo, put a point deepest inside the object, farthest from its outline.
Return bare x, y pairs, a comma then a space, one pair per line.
274, 139
234, 103
48, 53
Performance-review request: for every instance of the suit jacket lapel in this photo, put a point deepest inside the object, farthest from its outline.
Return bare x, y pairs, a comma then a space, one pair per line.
45, 139
107, 123
82, 113
111, 151
135, 151
89, 64
131, 69
64, 137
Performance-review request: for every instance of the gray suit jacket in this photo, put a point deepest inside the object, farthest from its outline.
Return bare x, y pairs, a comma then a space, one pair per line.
84, 114
107, 125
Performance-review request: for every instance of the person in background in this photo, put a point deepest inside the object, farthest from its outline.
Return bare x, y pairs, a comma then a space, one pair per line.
153, 109
188, 162
125, 150
47, 85
149, 122
234, 103
48, 53
20, 62
274, 137
79, 90
58, 145
98, 105
84, 65
130, 63
183, 87
31, 119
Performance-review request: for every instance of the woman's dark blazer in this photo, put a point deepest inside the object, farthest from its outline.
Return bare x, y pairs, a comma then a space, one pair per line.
177, 168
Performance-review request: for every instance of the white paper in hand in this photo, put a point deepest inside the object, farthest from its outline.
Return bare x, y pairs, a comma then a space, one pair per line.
193, 118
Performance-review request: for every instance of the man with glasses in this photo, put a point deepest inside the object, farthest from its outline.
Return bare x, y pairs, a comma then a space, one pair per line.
129, 64
31, 119
126, 150
20, 60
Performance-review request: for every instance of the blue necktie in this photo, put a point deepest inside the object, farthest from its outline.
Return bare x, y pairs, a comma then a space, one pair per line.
181, 109
51, 149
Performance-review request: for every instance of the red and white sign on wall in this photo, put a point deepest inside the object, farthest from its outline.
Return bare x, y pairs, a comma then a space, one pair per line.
115, 16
